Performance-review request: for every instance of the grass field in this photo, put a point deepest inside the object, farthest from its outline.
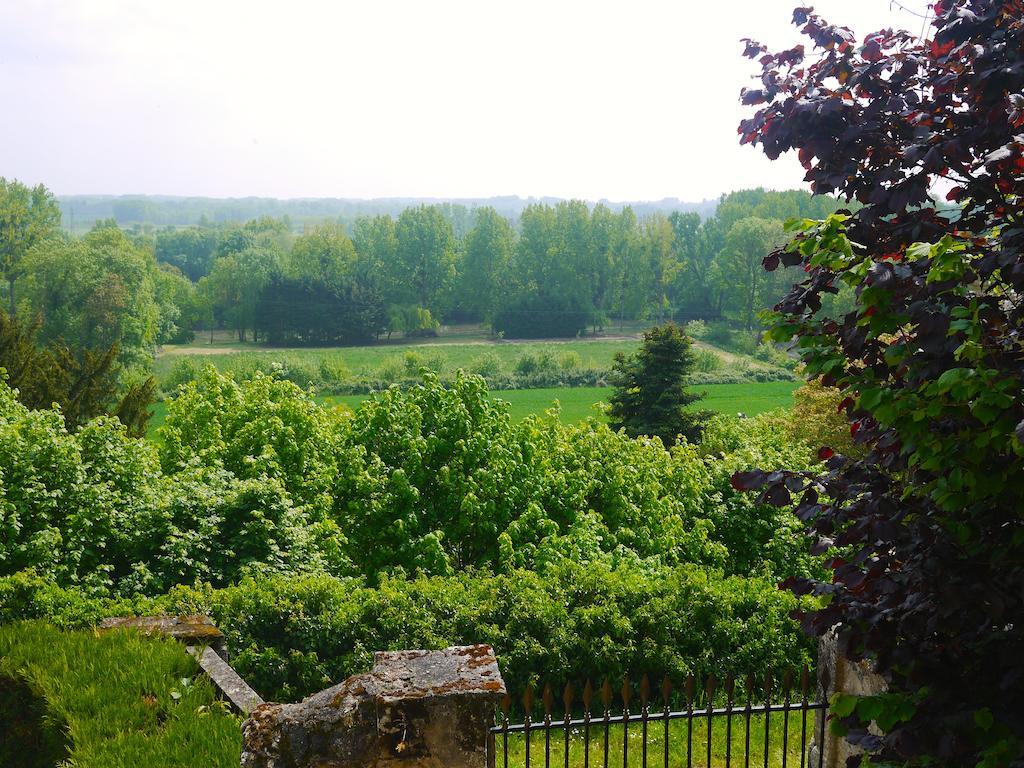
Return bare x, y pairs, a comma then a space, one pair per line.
685, 747
578, 403
470, 350
362, 361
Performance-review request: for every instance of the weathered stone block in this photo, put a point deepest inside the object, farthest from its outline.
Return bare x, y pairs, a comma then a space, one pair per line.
429, 709
190, 630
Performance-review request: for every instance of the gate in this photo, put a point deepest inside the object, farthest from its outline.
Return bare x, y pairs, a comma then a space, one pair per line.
762, 725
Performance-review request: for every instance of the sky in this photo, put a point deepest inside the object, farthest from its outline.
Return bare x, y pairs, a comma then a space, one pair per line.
634, 100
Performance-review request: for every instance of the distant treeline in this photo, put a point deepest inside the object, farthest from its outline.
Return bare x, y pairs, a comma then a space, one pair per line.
81, 212
558, 270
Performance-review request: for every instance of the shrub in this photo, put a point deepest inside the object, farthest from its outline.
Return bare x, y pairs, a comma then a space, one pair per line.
293, 636
487, 365
706, 361
697, 329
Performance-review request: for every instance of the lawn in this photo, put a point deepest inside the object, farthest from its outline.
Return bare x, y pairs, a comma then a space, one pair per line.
474, 355
578, 403
686, 747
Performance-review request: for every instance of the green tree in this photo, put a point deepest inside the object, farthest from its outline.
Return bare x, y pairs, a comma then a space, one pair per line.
235, 284
325, 254
95, 292
83, 383
27, 217
660, 265
424, 266
749, 287
175, 297
650, 395
488, 249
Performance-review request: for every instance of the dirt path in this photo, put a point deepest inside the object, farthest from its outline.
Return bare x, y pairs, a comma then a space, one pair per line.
206, 349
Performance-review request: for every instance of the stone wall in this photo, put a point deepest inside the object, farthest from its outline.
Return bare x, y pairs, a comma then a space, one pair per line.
837, 674
421, 709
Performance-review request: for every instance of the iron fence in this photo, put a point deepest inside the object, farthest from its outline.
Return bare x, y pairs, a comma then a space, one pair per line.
657, 734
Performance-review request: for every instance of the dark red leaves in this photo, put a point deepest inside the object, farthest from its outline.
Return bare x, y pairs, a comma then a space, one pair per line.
778, 496
752, 48
748, 481
770, 262
939, 50
751, 96
926, 508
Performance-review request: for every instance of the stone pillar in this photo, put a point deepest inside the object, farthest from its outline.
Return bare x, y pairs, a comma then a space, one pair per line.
423, 709
837, 674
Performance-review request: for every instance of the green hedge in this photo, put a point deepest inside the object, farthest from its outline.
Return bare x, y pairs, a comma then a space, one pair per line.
292, 636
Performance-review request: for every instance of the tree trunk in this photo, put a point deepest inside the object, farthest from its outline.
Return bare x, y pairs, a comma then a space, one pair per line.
10, 294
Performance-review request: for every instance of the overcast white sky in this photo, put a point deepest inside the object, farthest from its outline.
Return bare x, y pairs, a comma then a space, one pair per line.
633, 99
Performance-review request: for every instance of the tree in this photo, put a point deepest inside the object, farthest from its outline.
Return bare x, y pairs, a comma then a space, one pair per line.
650, 395
191, 249
656, 238
930, 582
748, 286
325, 254
94, 292
83, 383
27, 217
236, 282
548, 294
488, 248
425, 256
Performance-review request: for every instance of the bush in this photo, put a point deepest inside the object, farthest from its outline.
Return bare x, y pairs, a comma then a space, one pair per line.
697, 329
530, 364
293, 636
487, 365
706, 361
719, 334
570, 361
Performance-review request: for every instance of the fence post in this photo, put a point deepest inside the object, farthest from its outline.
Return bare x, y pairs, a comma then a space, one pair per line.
837, 674
422, 709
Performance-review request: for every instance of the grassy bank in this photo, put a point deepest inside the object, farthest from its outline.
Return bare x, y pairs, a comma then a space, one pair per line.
116, 700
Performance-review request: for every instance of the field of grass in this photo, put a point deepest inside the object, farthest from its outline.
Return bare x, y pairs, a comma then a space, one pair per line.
117, 700
680, 742
366, 361
579, 403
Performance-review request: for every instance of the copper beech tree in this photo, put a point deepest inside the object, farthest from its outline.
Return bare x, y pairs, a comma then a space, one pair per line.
928, 137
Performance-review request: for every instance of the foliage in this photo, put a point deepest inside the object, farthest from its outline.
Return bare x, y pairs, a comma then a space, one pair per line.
124, 700
932, 590
255, 477
293, 636
82, 386
650, 394
27, 218
94, 292
818, 419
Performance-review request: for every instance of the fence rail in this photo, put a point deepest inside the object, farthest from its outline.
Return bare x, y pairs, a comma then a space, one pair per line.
582, 736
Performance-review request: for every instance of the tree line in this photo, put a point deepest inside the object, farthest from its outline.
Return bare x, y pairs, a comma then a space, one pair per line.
558, 270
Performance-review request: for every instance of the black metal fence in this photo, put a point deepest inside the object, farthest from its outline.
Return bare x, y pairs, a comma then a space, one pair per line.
763, 725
